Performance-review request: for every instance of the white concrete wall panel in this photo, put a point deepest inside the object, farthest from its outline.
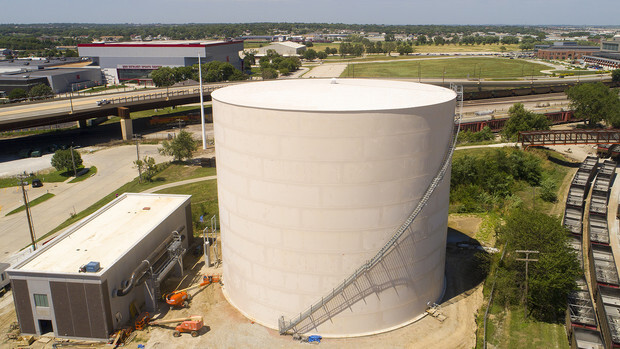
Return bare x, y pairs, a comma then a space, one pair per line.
307, 194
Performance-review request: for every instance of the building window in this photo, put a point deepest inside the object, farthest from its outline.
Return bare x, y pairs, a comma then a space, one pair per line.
40, 300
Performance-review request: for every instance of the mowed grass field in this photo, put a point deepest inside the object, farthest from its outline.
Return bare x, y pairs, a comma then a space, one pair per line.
453, 68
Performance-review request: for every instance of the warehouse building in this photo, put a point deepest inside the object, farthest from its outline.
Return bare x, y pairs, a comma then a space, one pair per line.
609, 56
565, 50
123, 61
59, 79
86, 282
285, 48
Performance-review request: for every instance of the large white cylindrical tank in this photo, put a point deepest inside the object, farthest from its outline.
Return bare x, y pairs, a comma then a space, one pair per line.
314, 177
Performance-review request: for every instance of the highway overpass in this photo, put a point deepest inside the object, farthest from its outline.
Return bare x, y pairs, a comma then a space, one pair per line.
79, 109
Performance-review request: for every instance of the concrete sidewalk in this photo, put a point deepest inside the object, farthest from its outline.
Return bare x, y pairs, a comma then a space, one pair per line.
176, 184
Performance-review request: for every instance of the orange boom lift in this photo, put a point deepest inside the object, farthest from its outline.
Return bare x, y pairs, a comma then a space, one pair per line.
180, 298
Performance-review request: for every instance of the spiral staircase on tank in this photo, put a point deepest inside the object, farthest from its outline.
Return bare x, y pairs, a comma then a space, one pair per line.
360, 284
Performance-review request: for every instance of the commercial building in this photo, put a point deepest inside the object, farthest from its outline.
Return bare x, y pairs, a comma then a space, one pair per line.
59, 79
122, 61
565, 50
84, 282
609, 55
285, 48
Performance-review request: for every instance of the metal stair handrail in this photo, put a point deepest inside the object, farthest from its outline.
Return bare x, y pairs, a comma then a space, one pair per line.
285, 326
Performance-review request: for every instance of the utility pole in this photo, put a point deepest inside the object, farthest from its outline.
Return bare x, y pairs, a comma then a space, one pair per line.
419, 73
136, 137
71, 100
443, 77
527, 261
28, 213
73, 161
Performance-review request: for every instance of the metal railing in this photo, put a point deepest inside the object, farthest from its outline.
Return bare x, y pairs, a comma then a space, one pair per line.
288, 325
162, 95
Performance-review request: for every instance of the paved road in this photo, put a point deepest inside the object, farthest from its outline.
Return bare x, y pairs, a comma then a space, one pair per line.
115, 168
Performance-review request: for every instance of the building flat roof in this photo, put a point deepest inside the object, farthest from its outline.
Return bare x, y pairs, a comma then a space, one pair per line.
106, 235
162, 43
333, 95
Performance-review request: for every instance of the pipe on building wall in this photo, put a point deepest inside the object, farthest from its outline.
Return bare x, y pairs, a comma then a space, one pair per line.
139, 273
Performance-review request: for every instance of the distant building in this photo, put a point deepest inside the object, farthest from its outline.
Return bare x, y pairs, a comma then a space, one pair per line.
285, 48
123, 61
5, 52
565, 50
27, 73
609, 55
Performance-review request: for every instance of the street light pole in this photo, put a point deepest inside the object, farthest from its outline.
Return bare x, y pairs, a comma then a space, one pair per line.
202, 107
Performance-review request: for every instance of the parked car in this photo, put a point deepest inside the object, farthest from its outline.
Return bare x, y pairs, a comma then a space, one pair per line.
36, 183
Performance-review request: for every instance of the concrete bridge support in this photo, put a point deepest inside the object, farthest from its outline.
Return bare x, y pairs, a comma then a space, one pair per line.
126, 123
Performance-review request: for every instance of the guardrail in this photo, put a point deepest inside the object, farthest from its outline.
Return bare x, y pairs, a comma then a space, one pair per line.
160, 95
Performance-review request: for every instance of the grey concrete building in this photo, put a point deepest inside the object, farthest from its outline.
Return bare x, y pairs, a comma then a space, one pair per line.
609, 56
122, 61
59, 79
84, 282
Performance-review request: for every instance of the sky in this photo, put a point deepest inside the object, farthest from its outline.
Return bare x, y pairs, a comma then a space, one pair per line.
510, 12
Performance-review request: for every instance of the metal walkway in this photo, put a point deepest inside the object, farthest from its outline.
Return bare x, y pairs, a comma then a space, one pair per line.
361, 283
569, 137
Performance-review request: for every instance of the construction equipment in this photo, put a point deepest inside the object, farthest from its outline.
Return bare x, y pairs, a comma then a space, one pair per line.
434, 311
191, 324
14, 331
180, 298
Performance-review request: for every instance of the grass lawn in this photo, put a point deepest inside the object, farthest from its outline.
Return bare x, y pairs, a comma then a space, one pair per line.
181, 110
44, 176
103, 88
204, 201
173, 173
34, 202
91, 172
460, 68
573, 72
507, 328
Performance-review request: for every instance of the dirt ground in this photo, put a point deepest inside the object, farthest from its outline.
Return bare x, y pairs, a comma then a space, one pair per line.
225, 327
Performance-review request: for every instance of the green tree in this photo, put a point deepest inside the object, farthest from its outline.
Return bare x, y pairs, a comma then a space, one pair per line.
615, 76
548, 190
523, 120
62, 160
216, 71
18, 93
595, 102
147, 167
71, 53
553, 276
310, 54
40, 90
180, 148
321, 55
269, 73
163, 77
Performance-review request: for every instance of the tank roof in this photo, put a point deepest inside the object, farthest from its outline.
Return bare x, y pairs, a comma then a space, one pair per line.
333, 95
106, 235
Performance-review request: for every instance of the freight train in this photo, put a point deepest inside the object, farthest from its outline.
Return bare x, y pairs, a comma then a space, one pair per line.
478, 122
